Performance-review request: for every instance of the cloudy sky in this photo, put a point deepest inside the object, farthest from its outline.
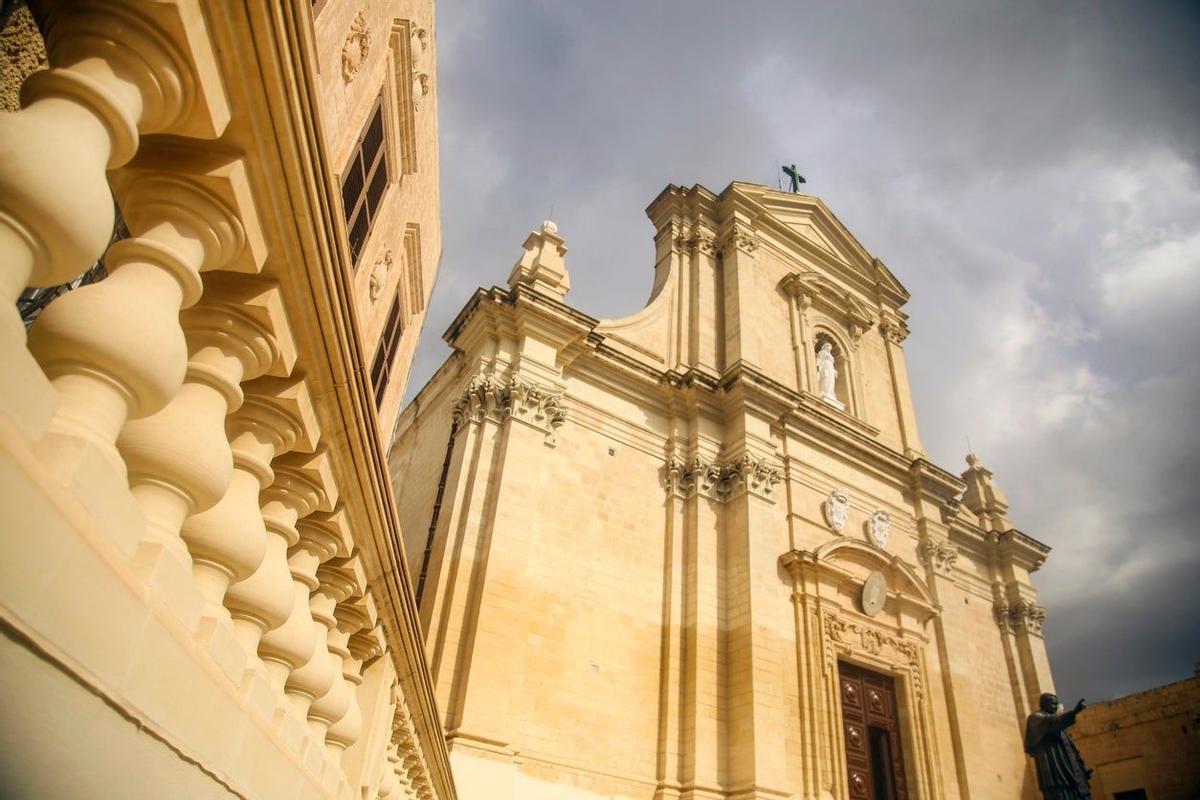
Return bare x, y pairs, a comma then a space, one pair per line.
1028, 170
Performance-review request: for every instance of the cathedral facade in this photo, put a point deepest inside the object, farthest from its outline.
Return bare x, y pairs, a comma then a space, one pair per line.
700, 552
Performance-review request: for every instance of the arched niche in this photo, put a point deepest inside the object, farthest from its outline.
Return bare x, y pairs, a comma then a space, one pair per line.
847, 388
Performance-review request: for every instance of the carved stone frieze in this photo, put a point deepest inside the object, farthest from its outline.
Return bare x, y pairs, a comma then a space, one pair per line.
937, 556
499, 399
722, 481
420, 77
854, 638
356, 47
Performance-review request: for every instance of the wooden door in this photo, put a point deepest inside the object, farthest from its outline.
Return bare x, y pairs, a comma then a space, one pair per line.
871, 727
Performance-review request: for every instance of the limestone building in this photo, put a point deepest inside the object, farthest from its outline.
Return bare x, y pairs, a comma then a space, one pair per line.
699, 552
1145, 746
202, 588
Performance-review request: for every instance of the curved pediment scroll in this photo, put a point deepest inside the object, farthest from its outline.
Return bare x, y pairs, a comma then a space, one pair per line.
874, 558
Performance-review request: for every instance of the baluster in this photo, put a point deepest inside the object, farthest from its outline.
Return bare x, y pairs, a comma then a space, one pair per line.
354, 612
228, 542
316, 688
113, 75
115, 350
300, 488
179, 458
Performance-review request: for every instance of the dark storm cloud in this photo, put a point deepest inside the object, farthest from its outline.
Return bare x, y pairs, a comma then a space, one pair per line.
1028, 170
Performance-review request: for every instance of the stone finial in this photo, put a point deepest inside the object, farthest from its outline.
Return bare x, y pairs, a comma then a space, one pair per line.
984, 497
541, 267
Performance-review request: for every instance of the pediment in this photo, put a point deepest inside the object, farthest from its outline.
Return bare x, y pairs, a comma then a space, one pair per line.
804, 224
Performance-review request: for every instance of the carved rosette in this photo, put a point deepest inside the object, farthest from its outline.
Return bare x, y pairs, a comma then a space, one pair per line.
722, 481
937, 556
487, 397
1023, 615
356, 47
849, 637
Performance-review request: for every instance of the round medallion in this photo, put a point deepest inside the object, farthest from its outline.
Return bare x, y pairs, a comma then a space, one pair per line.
874, 593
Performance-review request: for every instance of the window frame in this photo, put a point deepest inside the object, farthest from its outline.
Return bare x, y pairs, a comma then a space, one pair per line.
369, 174
389, 346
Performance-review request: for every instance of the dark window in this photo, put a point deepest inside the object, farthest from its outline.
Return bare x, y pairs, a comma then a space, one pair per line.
365, 182
1132, 794
389, 342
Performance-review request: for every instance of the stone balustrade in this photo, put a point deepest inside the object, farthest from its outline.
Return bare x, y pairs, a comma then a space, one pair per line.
168, 413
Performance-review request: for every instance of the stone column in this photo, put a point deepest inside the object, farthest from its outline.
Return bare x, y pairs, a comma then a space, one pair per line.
113, 76
894, 333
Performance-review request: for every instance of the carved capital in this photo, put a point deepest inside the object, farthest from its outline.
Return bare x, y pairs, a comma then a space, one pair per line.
894, 331
740, 235
489, 397
937, 556
721, 481
1021, 615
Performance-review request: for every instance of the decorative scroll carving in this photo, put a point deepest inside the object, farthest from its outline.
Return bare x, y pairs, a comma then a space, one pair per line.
1023, 615
487, 397
938, 556
722, 481
852, 637
379, 273
811, 288
356, 48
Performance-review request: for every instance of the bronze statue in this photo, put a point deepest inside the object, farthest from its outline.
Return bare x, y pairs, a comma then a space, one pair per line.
1061, 774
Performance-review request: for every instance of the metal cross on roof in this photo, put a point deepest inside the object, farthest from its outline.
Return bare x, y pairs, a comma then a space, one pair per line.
796, 178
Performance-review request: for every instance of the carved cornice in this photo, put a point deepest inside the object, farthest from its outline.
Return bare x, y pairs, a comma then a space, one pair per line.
499, 399
1023, 615
722, 481
937, 556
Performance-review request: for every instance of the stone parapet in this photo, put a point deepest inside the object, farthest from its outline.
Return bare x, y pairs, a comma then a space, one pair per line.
197, 528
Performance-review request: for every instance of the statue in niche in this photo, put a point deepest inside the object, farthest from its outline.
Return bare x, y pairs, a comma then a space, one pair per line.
1061, 774
827, 376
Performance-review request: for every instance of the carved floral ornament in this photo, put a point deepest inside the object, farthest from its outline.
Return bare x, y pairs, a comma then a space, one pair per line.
356, 48
1023, 615
420, 78
500, 399
722, 481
